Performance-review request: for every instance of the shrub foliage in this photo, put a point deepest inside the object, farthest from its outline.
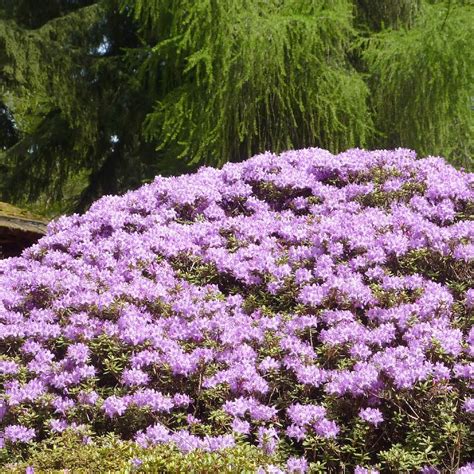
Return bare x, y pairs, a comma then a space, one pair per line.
316, 307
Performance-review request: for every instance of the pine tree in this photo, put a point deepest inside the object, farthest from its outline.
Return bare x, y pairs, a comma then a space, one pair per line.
97, 96
422, 82
238, 77
376, 16
74, 102
50, 109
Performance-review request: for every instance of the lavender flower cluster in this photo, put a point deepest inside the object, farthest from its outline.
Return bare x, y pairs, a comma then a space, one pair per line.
277, 300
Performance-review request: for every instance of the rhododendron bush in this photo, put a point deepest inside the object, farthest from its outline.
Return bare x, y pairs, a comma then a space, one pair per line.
317, 306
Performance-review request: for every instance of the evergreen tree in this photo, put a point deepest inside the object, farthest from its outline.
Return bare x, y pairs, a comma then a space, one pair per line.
239, 77
422, 81
375, 16
8, 130
98, 96
41, 56
74, 100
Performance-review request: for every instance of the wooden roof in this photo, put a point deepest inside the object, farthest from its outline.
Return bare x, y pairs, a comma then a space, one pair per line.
18, 229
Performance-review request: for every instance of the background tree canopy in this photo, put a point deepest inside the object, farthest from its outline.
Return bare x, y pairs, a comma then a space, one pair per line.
97, 97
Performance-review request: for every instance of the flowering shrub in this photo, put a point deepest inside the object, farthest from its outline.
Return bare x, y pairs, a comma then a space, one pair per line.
316, 306
107, 454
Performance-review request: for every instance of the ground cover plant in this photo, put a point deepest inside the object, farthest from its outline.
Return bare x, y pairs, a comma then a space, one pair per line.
305, 311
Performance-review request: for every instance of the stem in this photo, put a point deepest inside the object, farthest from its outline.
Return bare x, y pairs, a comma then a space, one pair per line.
447, 13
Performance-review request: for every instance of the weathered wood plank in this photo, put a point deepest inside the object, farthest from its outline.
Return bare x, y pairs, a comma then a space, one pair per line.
18, 229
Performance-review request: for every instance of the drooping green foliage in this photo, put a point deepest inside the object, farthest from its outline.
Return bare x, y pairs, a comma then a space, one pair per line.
423, 83
49, 107
98, 96
386, 13
239, 77
73, 102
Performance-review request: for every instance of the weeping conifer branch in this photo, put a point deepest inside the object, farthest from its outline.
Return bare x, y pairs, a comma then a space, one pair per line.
236, 78
54, 111
387, 13
422, 83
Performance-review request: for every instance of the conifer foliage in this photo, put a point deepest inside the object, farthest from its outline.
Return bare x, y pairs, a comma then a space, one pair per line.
422, 81
243, 76
65, 88
98, 96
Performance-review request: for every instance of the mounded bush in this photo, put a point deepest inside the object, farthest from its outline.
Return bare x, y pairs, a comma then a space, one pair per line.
108, 454
318, 307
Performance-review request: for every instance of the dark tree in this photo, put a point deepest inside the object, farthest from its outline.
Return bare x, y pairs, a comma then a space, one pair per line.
99, 96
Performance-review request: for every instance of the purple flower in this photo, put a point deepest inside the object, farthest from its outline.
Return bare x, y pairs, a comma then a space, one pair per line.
268, 364
303, 275
296, 431
146, 397
467, 469
8, 367
88, 398
371, 415
469, 405
216, 443
62, 405
79, 353
267, 439
58, 426
297, 465
114, 406
19, 434
3, 409
269, 469
429, 470
134, 377
364, 470
312, 295
181, 400
470, 298
326, 428
240, 426
305, 414
192, 420
156, 434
